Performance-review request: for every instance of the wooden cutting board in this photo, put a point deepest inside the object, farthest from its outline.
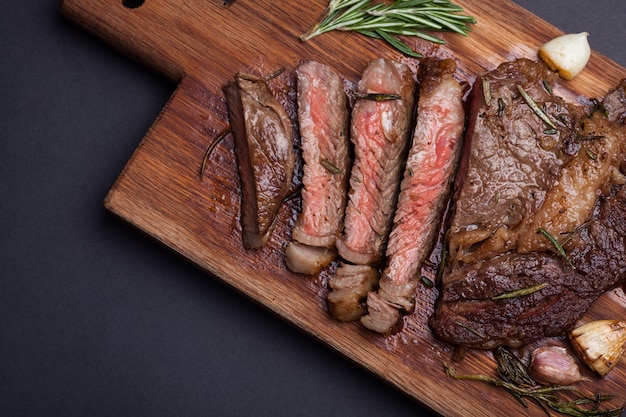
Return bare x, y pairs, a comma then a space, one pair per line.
201, 44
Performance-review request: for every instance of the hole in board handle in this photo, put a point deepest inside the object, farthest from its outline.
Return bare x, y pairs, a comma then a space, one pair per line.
132, 4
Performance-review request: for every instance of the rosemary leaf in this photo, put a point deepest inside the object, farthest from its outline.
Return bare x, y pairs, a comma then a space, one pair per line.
546, 85
501, 107
515, 379
376, 96
398, 44
330, 167
531, 103
427, 282
521, 292
556, 245
592, 155
471, 329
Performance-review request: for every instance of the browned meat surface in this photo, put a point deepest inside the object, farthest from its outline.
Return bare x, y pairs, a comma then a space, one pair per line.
430, 168
468, 315
323, 119
307, 259
263, 135
350, 286
380, 132
513, 158
520, 177
615, 103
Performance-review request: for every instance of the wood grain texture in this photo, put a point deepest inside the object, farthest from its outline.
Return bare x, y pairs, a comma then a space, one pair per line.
200, 45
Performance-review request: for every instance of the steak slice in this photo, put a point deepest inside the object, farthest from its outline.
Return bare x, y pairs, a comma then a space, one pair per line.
380, 133
263, 135
350, 286
430, 168
323, 117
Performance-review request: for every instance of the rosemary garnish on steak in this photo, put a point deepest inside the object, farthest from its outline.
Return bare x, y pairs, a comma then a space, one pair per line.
387, 21
376, 96
329, 166
521, 292
531, 103
514, 377
557, 245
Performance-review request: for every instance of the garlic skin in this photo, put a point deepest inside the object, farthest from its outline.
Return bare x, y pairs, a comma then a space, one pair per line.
552, 365
567, 54
600, 344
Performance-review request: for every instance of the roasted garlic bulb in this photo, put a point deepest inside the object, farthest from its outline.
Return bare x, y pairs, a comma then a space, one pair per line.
600, 343
552, 365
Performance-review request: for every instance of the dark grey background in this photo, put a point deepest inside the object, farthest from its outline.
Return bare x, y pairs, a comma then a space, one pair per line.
98, 320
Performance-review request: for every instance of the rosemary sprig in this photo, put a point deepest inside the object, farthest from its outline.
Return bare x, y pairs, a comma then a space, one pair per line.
514, 377
388, 21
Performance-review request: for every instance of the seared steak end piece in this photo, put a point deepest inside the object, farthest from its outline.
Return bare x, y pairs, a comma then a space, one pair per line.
263, 135
350, 286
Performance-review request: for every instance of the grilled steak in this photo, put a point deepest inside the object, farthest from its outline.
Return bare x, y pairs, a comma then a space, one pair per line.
380, 132
428, 175
264, 148
323, 118
524, 183
467, 313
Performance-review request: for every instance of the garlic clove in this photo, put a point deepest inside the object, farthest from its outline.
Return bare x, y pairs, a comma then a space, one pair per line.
600, 343
552, 365
567, 54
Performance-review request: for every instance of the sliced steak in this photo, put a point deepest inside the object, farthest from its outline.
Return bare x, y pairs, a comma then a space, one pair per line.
380, 132
323, 118
307, 259
350, 286
430, 168
263, 135
564, 184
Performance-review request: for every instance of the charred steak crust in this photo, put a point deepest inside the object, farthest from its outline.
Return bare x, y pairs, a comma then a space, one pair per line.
615, 103
468, 315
